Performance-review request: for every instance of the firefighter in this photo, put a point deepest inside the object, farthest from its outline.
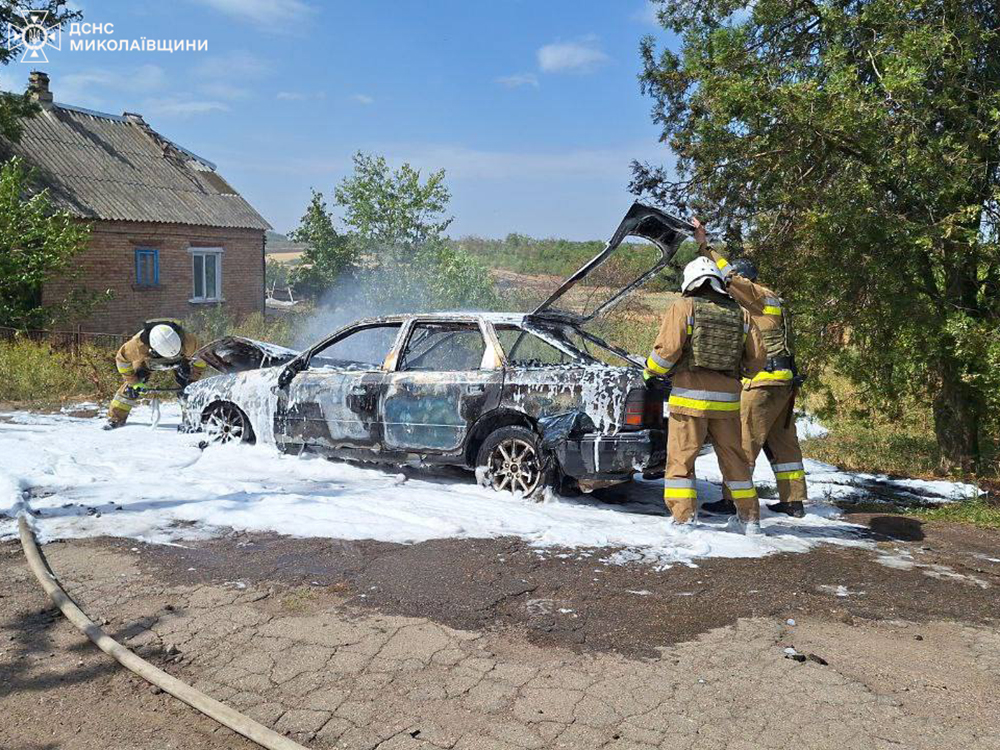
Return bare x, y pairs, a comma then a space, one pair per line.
160, 345
768, 402
705, 344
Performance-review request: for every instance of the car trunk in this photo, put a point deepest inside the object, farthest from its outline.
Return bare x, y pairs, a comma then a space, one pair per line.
237, 354
623, 268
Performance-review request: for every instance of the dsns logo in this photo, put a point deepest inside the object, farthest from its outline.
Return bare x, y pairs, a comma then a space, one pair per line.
35, 35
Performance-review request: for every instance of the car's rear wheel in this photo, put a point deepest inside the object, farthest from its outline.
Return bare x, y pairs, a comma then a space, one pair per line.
226, 423
511, 460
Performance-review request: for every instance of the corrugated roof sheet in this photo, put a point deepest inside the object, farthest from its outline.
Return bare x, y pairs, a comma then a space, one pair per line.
109, 167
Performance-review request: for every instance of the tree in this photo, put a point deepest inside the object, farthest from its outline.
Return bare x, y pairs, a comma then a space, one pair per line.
328, 254
852, 148
15, 107
393, 209
36, 244
397, 220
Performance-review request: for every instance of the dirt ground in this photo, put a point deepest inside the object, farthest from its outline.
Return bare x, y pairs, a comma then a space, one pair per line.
493, 644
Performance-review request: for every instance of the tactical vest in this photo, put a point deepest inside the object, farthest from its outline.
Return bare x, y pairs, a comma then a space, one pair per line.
154, 361
717, 335
779, 341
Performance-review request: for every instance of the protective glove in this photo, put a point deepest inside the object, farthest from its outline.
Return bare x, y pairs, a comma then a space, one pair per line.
135, 390
652, 380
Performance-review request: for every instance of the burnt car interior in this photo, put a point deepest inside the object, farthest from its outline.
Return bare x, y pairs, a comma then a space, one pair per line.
443, 347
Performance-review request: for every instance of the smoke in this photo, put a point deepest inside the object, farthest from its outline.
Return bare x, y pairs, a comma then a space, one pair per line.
431, 280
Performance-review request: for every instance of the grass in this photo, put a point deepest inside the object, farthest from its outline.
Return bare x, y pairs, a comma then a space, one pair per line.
865, 438
983, 512
34, 372
37, 374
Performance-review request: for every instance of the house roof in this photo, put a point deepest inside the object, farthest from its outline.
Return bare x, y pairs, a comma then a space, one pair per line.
117, 168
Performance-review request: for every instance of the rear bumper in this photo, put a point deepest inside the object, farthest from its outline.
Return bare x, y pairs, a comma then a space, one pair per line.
612, 458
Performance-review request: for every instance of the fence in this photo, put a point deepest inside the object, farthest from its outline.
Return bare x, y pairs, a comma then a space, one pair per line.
71, 340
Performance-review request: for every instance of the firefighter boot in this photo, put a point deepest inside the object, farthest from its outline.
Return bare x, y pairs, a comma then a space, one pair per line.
112, 425
793, 509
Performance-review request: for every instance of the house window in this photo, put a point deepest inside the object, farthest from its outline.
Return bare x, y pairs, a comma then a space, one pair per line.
207, 270
147, 266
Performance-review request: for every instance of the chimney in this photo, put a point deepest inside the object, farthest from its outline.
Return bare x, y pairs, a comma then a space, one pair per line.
38, 88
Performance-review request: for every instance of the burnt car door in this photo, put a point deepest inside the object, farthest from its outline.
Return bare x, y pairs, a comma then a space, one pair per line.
448, 373
332, 401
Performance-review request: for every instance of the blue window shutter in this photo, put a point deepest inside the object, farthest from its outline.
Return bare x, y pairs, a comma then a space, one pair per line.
147, 266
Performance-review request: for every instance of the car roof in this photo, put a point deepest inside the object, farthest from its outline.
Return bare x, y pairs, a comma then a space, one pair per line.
458, 315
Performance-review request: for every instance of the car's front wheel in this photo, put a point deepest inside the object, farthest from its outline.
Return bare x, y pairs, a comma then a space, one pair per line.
226, 423
511, 460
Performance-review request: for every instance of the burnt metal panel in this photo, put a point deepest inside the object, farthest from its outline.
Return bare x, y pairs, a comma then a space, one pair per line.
663, 230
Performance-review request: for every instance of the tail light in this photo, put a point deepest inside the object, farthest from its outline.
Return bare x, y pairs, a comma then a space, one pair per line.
643, 408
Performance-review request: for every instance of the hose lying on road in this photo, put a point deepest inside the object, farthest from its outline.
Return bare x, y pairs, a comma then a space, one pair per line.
196, 699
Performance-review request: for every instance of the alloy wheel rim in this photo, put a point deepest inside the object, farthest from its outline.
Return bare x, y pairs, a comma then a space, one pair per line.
225, 425
513, 466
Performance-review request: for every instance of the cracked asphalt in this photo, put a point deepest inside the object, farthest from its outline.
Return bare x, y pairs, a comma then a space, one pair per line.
493, 644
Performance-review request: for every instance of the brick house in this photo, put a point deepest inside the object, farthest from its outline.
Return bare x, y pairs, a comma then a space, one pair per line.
169, 236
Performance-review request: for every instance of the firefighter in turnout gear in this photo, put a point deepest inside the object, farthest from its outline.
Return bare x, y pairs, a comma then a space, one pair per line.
705, 344
160, 345
768, 401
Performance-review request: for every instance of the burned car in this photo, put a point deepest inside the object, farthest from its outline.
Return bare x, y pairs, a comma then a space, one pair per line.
527, 400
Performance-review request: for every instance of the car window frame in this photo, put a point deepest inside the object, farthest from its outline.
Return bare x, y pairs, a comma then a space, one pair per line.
350, 331
492, 350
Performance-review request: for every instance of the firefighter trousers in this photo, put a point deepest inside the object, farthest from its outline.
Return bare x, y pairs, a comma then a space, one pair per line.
764, 413
685, 436
121, 405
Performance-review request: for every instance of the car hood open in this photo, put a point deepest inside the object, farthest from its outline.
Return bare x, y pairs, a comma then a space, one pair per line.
666, 232
237, 354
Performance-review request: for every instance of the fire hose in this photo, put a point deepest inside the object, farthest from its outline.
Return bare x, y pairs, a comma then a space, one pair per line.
210, 707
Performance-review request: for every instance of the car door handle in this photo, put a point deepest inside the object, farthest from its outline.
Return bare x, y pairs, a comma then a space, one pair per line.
359, 390
480, 388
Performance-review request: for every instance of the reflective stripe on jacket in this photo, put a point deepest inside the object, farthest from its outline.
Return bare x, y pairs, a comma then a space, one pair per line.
766, 310
699, 392
134, 355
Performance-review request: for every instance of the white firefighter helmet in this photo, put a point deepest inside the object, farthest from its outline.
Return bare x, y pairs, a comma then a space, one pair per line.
701, 271
165, 341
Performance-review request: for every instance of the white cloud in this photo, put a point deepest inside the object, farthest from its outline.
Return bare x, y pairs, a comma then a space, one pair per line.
647, 14
517, 80
273, 14
235, 65
224, 76
581, 56
363, 99
104, 88
174, 107
298, 96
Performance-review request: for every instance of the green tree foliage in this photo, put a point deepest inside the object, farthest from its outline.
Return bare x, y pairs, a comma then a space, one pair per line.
328, 254
393, 209
15, 107
36, 244
394, 256
852, 149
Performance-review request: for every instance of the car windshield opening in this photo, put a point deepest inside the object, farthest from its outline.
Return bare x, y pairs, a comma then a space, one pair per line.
363, 349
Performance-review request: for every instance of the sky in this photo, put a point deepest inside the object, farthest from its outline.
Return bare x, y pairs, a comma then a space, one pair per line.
532, 108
